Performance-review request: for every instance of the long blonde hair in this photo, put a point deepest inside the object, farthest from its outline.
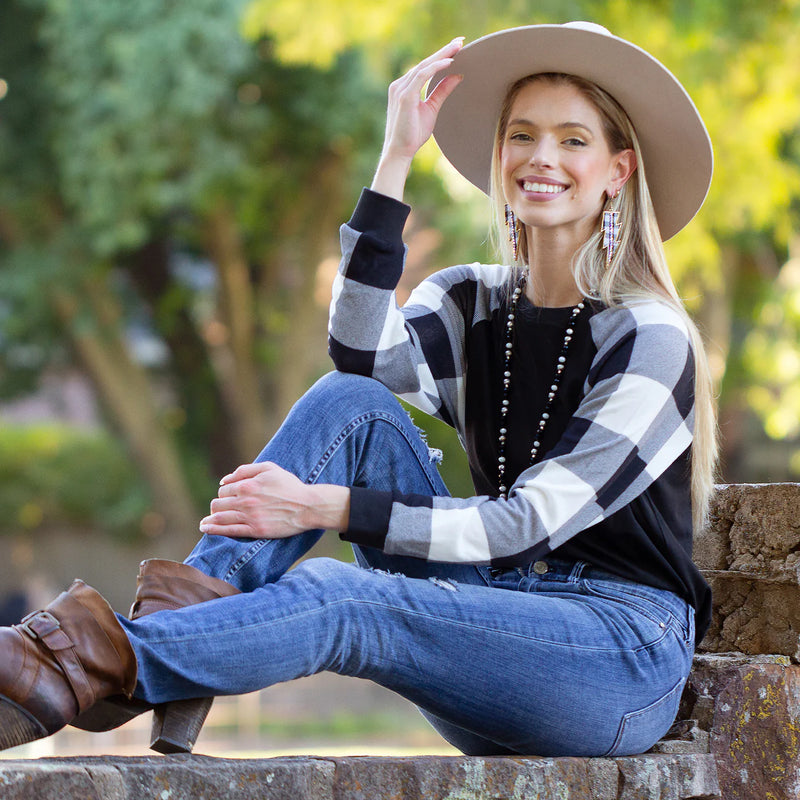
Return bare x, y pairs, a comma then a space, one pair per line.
638, 270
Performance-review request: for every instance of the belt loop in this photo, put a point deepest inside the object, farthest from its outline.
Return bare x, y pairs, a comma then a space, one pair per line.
577, 571
689, 632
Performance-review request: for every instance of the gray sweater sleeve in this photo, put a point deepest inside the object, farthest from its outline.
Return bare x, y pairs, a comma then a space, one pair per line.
417, 351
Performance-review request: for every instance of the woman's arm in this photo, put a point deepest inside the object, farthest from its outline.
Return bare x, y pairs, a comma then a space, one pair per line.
417, 351
368, 334
410, 118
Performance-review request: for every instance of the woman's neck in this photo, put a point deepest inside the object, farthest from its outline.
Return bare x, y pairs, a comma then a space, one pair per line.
550, 281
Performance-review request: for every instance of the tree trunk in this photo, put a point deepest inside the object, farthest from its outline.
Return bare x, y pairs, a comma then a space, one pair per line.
230, 335
208, 423
126, 391
311, 237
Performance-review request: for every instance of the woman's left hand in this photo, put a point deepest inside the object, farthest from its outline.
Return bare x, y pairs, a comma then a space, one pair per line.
264, 501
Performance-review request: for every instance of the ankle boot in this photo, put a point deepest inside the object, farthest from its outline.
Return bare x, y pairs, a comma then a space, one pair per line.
59, 662
162, 585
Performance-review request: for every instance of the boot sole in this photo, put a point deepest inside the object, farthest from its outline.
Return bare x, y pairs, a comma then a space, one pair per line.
105, 715
17, 726
177, 725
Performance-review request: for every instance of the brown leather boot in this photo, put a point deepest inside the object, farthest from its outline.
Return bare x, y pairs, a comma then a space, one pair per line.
162, 585
59, 662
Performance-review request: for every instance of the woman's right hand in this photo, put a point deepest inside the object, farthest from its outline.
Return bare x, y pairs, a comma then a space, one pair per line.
410, 118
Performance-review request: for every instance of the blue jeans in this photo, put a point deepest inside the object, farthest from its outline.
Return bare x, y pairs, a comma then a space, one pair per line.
560, 660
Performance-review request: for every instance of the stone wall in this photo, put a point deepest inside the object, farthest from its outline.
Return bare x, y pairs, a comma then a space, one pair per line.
742, 700
750, 555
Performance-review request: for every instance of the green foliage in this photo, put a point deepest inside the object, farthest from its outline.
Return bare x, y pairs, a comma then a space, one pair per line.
125, 126
157, 109
29, 336
774, 342
136, 94
312, 116
57, 475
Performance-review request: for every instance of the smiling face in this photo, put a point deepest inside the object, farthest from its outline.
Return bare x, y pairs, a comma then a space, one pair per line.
556, 165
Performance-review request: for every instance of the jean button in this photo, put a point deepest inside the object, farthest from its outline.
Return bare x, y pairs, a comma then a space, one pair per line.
540, 567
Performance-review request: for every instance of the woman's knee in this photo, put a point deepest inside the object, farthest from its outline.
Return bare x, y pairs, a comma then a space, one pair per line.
354, 390
327, 574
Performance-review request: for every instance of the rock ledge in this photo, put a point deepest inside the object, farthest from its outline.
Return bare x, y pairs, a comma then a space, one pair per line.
647, 777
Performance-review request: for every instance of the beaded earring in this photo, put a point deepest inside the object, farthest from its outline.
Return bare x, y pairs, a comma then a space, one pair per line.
610, 229
511, 227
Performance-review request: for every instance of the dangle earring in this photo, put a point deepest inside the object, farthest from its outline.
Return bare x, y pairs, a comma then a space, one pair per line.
511, 225
610, 230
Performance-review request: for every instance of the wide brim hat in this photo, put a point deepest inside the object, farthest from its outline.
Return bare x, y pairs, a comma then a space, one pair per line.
676, 148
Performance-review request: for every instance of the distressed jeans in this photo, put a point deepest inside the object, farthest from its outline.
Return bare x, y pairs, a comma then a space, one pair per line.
560, 659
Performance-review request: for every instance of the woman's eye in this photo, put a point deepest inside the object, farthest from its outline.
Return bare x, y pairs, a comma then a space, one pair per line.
573, 141
521, 137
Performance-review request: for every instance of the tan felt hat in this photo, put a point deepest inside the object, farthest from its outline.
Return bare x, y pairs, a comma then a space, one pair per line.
675, 145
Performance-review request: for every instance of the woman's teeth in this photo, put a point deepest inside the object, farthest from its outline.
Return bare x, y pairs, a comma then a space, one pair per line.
547, 188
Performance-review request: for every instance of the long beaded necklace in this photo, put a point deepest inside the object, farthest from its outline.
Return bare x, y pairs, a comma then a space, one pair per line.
502, 436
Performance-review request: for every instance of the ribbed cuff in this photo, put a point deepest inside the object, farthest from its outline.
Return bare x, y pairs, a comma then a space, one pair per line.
380, 215
370, 511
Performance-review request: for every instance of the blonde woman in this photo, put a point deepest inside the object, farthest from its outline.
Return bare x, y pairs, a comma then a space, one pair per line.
556, 611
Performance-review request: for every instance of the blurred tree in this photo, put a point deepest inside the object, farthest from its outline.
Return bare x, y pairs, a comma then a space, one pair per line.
160, 174
48, 476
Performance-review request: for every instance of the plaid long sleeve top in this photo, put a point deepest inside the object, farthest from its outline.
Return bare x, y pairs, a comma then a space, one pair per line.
613, 486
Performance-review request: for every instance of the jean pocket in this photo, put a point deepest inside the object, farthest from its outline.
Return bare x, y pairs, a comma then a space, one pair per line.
640, 730
661, 607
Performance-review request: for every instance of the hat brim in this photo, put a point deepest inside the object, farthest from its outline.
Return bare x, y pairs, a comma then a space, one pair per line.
675, 145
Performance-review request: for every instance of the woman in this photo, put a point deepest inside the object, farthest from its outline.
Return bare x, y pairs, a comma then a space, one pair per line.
554, 612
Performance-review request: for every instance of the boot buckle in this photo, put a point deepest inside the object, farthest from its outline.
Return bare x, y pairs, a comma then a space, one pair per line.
39, 624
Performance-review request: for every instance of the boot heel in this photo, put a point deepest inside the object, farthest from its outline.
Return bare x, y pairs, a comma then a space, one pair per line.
17, 727
177, 725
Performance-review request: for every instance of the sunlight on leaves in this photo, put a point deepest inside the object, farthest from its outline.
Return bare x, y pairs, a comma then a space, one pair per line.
315, 31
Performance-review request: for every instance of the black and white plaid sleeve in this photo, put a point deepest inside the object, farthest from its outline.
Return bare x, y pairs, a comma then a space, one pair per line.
417, 351
635, 420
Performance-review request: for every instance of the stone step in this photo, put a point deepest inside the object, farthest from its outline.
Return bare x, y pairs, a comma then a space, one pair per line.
748, 710
648, 777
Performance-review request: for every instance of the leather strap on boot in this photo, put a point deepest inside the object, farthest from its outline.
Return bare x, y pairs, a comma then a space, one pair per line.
42, 625
60, 661
82, 632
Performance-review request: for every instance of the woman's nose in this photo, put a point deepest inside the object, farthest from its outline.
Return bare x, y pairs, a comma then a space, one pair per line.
543, 154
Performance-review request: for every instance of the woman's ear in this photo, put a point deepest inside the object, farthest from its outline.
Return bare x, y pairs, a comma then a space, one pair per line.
624, 166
